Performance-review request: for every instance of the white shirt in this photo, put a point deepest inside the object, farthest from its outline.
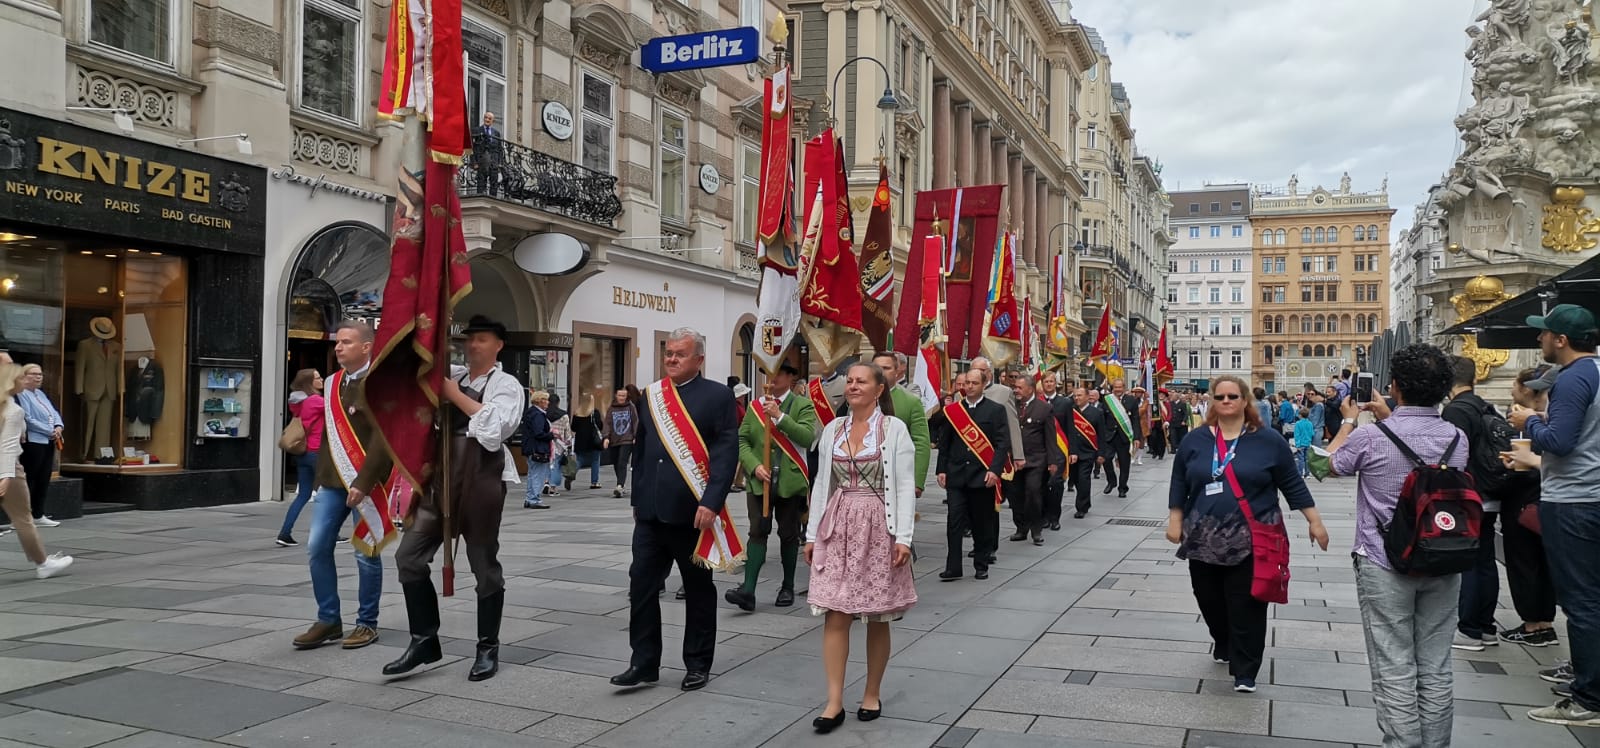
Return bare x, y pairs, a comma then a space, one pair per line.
500, 416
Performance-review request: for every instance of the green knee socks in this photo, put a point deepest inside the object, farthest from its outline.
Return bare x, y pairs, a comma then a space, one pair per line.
755, 554
790, 552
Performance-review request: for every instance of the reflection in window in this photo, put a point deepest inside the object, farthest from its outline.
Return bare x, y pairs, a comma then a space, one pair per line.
674, 154
340, 274
598, 123
139, 27
330, 44
486, 80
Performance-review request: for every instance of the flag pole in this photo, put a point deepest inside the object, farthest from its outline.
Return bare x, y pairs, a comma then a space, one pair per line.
779, 33
447, 525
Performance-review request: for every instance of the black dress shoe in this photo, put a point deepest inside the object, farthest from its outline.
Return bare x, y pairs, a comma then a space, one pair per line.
1019, 536
486, 663
981, 574
1055, 526
423, 650
1079, 515
696, 680
825, 725
1109, 488
945, 576
785, 597
867, 715
1122, 493
1038, 539
737, 596
633, 676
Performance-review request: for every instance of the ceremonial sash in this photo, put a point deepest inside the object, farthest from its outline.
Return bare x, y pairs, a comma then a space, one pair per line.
819, 400
1086, 429
783, 442
1119, 414
972, 436
1061, 440
719, 547
374, 524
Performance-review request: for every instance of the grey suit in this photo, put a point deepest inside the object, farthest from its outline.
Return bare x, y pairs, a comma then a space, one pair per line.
98, 368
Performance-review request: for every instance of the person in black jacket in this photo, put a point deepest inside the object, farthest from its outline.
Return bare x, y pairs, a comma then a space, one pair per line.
1085, 444
536, 438
668, 515
1042, 460
970, 482
1480, 587
587, 427
1121, 445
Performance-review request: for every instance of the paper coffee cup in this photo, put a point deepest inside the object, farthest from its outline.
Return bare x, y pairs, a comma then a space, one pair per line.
1527, 443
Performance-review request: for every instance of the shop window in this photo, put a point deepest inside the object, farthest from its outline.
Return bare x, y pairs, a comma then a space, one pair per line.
486, 78
109, 326
330, 57
674, 153
340, 275
599, 123
139, 27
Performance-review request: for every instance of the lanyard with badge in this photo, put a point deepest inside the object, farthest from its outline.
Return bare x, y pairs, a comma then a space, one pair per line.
1220, 460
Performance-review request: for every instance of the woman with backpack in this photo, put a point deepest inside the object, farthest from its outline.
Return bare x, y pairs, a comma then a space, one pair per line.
1410, 619
1217, 472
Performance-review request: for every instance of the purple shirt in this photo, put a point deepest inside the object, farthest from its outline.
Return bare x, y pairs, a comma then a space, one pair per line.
1382, 469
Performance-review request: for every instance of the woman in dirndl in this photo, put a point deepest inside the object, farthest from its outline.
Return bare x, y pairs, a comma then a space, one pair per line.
858, 539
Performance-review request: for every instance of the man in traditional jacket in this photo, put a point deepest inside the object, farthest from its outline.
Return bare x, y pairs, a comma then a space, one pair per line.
482, 407
777, 431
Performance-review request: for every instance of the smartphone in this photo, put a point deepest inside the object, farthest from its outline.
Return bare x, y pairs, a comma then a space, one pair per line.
1364, 387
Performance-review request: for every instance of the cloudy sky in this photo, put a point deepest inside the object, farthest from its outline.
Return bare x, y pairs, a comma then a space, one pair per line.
1256, 90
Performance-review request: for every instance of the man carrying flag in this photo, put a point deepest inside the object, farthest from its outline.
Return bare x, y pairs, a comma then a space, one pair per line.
351, 471
483, 407
777, 432
687, 452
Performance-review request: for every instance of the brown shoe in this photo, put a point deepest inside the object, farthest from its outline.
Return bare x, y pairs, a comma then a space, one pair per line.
360, 637
319, 634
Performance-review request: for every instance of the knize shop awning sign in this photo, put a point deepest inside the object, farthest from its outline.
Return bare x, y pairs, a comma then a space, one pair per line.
706, 49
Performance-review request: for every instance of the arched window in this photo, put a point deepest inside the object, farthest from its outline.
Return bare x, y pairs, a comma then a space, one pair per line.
1266, 237
1333, 323
1305, 350
1344, 320
1305, 235
1277, 324
1321, 236
1361, 323
1372, 323
1333, 234
1266, 353
1305, 323
1278, 351
1266, 323
1372, 232
1294, 321
1360, 233
1318, 323
1283, 236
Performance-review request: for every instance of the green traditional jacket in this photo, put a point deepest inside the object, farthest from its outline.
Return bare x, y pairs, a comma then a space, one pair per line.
908, 408
799, 424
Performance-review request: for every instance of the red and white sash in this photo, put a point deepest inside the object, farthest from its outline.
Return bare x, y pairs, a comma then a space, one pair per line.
782, 440
374, 524
975, 439
819, 400
719, 547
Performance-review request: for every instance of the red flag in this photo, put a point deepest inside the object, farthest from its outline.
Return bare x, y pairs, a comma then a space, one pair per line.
447, 123
773, 218
933, 363
1027, 331
1104, 343
970, 235
830, 296
913, 296
1163, 367
1002, 331
877, 267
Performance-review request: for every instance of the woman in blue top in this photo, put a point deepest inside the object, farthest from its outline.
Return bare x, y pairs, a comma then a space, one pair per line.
1211, 531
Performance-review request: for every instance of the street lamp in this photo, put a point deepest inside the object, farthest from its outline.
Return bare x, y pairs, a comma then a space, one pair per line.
887, 102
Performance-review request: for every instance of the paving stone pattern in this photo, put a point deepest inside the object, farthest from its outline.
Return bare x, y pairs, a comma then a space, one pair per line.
173, 631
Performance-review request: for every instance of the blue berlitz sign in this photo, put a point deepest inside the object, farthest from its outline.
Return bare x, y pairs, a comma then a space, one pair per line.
706, 49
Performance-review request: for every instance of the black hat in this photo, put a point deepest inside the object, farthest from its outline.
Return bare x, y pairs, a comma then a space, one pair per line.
480, 323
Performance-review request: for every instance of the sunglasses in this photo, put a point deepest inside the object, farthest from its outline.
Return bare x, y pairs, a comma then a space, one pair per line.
1229, 396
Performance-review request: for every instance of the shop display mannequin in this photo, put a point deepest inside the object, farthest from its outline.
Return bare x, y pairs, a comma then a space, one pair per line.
142, 407
99, 381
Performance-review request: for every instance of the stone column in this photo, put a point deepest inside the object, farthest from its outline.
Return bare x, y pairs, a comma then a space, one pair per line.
868, 121
982, 167
999, 171
837, 54
943, 133
964, 145
1019, 197
1030, 213
1048, 218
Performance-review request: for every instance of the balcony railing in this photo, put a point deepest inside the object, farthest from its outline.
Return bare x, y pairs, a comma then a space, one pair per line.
503, 170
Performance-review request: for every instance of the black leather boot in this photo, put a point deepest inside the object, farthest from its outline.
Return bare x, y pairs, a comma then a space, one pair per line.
487, 662
422, 608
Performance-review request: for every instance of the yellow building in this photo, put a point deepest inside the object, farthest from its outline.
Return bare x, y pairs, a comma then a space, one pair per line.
1321, 281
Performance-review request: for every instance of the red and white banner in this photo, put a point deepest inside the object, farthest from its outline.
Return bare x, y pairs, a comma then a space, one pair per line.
374, 525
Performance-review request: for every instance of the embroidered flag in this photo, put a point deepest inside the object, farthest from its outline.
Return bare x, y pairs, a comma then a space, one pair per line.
1002, 332
969, 242
830, 281
877, 268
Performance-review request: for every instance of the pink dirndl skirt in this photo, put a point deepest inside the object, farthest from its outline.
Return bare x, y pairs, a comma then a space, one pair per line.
852, 563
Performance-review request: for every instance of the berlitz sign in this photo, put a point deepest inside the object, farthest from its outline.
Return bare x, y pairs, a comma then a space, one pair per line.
706, 49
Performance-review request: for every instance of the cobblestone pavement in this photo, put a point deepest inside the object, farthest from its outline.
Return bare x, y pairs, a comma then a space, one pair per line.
173, 630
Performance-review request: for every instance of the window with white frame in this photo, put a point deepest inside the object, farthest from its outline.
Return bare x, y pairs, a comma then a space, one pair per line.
486, 71
674, 157
1238, 264
1238, 231
1194, 266
599, 122
749, 192
1216, 232
1094, 183
1214, 326
145, 28
1194, 359
1236, 325
1216, 359
1091, 136
1216, 266
1236, 294
1194, 294
330, 57
1236, 359
750, 13
1215, 295
1194, 232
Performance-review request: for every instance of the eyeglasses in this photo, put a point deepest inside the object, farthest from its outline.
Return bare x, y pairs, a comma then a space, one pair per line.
1228, 396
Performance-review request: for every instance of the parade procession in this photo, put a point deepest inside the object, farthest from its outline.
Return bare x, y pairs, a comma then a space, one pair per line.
616, 359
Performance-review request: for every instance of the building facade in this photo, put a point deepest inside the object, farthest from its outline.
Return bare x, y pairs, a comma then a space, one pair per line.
1209, 268
1321, 282
1416, 259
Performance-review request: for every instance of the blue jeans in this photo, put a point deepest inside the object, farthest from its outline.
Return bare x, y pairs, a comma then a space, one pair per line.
538, 478
590, 460
1572, 545
328, 515
1409, 624
1300, 454
306, 470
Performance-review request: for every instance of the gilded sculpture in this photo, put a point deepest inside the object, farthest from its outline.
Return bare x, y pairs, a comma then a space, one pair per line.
1482, 294
1568, 225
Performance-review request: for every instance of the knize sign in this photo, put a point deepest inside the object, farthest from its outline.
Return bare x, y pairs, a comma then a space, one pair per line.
706, 49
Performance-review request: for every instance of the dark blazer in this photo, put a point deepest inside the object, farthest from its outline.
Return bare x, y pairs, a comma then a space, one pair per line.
1114, 438
958, 464
660, 493
146, 395
536, 434
1078, 444
378, 464
1037, 423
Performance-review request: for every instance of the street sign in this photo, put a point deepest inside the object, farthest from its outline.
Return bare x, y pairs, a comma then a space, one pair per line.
706, 49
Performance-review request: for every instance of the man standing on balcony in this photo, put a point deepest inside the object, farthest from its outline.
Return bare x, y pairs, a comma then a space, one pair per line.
488, 155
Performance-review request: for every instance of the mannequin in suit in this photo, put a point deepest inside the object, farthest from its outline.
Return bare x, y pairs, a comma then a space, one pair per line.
143, 408
98, 382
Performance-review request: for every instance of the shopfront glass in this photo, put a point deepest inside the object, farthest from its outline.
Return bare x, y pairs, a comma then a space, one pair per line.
547, 371
600, 366
108, 324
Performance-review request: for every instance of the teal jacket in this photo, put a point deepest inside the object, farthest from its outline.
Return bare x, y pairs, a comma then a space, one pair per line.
908, 408
799, 423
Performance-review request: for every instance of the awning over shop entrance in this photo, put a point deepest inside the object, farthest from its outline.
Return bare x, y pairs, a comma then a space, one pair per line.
1505, 326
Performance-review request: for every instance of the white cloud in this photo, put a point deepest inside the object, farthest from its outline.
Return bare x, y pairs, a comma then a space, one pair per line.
1256, 90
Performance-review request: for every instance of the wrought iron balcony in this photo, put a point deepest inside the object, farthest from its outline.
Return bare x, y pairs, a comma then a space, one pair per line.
500, 169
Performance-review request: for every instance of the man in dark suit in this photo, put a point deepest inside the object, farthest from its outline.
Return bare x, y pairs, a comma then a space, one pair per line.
1121, 444
969, 481
488, 155
669, 513
1085, 426
1042, 460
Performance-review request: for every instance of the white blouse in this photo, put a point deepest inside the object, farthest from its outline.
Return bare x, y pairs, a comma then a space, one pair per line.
500, 416
898, 455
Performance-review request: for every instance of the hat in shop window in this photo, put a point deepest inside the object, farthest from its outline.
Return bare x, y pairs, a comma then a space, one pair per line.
103, 328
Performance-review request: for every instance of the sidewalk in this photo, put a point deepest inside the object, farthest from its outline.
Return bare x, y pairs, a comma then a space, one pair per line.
173, 630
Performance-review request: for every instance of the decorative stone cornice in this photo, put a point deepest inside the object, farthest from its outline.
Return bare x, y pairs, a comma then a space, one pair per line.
605, 57
220, 28
495, 7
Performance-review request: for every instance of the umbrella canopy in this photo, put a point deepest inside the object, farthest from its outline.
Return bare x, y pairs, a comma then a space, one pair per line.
1506, 327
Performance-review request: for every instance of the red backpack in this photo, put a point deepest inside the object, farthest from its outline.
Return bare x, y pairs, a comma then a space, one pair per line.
1434, 531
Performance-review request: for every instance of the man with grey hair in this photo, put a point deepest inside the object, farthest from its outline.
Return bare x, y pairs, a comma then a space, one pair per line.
685, 456
1002, 396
